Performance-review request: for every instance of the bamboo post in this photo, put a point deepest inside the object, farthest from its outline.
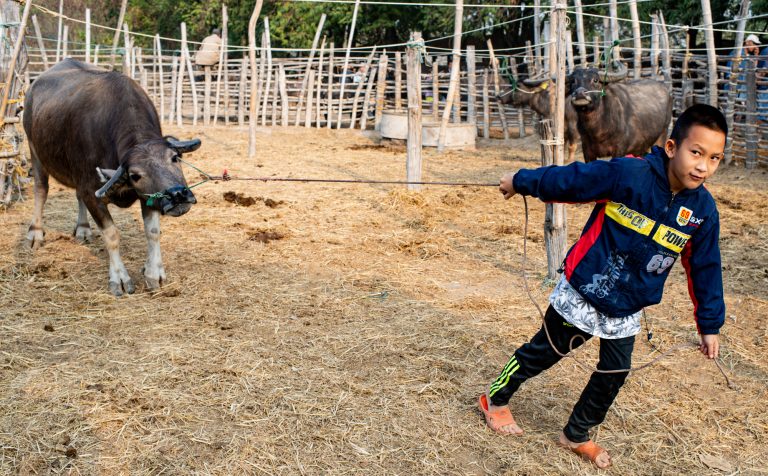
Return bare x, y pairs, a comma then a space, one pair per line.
252, 57
346, 62
64, 42
59, 33
413, 78
312, 51
180, 87
435, 92
454, 84
267, 42
186, 56
40, 44
310, 91
751, 117
174, 74
207, 96
547, 43
116, 38
706, 13
471, 85
318, 114
569, 50
7, 86
530, 60
367, 99
222, 67
655, 40
486, 106
381, 87
87, 35
733, 78
520, 114
580, 37
127, 54
283, 96
666, 59
398, 82
358, 90
637, 45
497, 89
329, 94
241, 91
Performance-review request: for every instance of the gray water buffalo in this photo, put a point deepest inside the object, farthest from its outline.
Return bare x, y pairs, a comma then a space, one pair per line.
534, 93
619, 118
97, 132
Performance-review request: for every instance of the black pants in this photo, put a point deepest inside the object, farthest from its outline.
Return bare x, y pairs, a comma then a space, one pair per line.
537, 355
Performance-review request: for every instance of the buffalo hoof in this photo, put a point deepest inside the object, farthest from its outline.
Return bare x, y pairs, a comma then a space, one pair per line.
155, 279
119, 288
83, 233
35, 238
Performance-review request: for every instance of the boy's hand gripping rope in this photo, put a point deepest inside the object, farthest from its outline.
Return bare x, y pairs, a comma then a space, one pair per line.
570, 344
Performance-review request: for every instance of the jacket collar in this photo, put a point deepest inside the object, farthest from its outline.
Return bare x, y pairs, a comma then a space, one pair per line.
659, 160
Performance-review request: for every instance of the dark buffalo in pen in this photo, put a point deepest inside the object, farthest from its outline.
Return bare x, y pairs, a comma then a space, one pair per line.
97, 131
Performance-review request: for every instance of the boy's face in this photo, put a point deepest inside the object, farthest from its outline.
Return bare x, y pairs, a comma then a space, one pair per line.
695, 159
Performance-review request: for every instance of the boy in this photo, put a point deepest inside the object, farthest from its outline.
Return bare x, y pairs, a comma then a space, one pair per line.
649, 211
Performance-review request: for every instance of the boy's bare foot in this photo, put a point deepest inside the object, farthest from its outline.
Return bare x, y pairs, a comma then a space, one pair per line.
588, 450
499, 419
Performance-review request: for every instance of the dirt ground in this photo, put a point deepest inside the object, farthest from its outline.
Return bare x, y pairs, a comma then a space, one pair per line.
349, 328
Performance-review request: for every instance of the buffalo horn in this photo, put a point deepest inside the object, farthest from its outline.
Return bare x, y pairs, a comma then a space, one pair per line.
116, 174
620, 72
533, 82
183, 146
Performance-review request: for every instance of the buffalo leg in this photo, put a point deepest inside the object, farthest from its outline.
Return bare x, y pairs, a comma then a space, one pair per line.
119, 280
154, 273
36, 234
82, 228
572, 151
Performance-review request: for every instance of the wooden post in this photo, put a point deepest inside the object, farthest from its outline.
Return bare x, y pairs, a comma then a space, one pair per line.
706, 13
435, 92
569, 50
733, 78
580, 38
160, 82
310, 91
596, 50
555, 231
318, 113
87, 35
252, 59
329, 94
486, 106
458, 17
751, 117
275, 92
613, 10
64, 42
59, 55
366, 100
222, 69
537, 34
180, 87
8, 85
207, 96
655, 37
241, 91
547, 43
368, 63
381, 87
259, 76
413, 160
666, 59
530, 60
185, 54
637, 45
471, 85
174, 74
346, 62
283, 96
520, 114
96, 55
398, 82
268, 45
309, 67
116, 38
40, 44
127, 54
497, 89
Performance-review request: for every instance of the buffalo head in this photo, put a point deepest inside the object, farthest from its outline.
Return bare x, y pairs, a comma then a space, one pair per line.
587, 84
152, 170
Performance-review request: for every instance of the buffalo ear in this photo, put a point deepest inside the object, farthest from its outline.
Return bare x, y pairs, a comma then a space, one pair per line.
111, 177
183, 146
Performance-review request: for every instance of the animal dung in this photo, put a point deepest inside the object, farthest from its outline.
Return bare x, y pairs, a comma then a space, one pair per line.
246, 201
265, 236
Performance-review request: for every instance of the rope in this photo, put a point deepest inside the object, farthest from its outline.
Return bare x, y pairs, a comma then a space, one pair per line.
570, 352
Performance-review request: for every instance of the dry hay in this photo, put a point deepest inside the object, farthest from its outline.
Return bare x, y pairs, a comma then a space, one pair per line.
348, 330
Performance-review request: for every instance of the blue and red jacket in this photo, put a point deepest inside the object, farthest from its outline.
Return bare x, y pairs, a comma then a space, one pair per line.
635, 233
